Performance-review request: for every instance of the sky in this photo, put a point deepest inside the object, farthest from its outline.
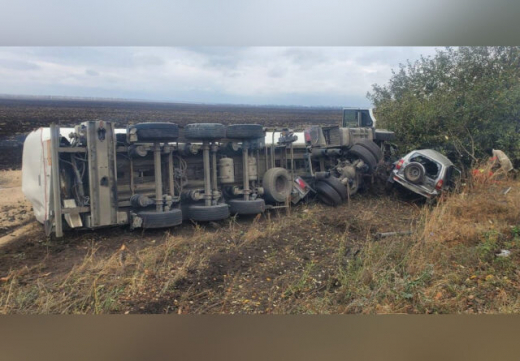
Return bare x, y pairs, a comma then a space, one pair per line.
304, 76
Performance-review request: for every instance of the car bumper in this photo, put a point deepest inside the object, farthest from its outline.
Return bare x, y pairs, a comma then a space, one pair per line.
416, 189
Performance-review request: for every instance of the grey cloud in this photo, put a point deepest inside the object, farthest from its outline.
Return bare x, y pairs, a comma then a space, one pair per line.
99, 56
216, 51
305, 57
91, 72
18, 64
277, 72
148, 60
255, 75
391, 55
233, 74
220, 57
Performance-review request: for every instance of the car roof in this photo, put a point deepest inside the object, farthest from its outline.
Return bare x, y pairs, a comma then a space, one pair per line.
433, 154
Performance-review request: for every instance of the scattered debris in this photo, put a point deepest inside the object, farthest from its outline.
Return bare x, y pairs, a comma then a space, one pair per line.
504, 253
391, 234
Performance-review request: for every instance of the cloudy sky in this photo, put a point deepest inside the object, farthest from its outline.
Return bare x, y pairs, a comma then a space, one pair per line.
309, 76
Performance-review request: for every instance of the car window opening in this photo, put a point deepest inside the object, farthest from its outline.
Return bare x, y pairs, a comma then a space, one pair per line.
431, 168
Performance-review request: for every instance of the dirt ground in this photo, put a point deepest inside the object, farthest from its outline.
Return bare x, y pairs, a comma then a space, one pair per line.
20, 116
15, 211
260, 257
308, 259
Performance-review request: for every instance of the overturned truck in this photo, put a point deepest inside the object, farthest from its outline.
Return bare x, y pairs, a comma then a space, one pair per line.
155, 175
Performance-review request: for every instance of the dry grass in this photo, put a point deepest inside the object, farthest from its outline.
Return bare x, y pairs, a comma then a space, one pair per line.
449, 264
311, 260
481, 206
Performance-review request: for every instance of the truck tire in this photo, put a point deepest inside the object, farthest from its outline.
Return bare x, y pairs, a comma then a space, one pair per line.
327, 194
153, 219
202, 213
245, 131
414, 173
240, 206
339, 187
372, 147
277, 185
205, 131
156, 132
383, 134
365, 155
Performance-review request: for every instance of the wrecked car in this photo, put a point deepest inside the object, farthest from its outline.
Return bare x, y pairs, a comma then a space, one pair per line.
425, 172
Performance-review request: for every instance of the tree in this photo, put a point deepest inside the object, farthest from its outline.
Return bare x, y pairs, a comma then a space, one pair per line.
462, 101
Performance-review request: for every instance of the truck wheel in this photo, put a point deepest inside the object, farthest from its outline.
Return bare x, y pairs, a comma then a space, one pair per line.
245, 131
205, 131
373, 148
383, 134
201, 213
327, 194
339, 187
277, 185
365, 155
156, 132
160, 219
414, 173
240, 206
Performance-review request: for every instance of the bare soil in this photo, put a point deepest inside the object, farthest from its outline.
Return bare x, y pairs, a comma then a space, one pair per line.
21, 116
233, 266
308, 259
15, 210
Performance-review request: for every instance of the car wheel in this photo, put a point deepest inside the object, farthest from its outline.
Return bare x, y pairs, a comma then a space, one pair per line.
240, 206
414, 173
277, 185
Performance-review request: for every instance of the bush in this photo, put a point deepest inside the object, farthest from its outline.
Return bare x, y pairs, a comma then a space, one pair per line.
461, 102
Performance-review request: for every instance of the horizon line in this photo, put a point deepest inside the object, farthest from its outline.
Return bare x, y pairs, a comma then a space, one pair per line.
135, 100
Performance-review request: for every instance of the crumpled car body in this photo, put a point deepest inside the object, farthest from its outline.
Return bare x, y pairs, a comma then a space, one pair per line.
425, 172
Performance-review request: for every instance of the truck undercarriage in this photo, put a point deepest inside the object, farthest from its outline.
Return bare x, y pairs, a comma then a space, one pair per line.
155, 175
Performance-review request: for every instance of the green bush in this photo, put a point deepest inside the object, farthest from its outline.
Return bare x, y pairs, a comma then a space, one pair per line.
462, 101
